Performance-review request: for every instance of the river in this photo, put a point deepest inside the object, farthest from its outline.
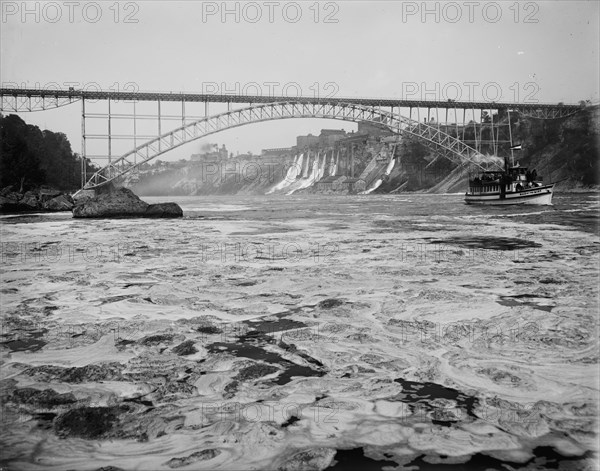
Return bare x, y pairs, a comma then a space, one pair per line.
305, 332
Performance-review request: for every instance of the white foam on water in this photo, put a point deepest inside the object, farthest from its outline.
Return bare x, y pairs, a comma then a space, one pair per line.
398, 304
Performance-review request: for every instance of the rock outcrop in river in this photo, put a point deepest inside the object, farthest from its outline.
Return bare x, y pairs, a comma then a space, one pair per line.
122, 202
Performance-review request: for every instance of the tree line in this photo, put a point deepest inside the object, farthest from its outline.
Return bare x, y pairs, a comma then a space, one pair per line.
30, 157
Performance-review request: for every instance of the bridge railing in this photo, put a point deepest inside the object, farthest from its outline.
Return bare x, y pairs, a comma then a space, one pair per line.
239, 98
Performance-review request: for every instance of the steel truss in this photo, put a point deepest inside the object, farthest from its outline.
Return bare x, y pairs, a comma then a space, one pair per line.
30, 103
546, 113
38, 99
265, 108
450, 147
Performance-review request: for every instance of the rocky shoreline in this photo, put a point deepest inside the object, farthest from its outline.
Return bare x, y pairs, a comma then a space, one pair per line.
108, 202
41, 199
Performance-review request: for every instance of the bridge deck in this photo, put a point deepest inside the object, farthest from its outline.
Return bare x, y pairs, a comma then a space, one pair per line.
210, 98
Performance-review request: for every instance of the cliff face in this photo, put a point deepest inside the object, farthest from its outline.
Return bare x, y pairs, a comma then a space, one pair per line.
305, 173
561, 150
565, 149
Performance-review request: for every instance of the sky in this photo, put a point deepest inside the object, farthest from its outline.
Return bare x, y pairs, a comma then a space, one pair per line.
491, 51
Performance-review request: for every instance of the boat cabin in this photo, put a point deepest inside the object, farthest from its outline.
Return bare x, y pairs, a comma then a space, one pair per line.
515, 178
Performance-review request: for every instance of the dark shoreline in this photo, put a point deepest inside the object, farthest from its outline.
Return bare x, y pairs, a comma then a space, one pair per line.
40, 199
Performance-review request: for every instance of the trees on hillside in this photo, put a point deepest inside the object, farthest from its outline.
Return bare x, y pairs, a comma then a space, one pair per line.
19, 158
30, 157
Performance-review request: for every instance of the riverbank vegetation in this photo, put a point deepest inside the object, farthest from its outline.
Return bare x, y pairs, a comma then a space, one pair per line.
31, 157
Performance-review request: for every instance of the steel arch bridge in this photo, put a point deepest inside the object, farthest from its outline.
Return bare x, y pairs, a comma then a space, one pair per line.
437, 140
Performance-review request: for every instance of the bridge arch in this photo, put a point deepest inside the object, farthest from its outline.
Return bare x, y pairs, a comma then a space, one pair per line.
437, 140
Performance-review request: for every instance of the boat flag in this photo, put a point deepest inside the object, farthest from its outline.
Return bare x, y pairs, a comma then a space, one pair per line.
517, 147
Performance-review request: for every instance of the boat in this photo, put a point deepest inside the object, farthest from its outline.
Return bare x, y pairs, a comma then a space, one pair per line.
515, 185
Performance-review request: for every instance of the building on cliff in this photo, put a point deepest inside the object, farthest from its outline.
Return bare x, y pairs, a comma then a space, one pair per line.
307, 142
277, 152
215, 155
373, 129
329, 137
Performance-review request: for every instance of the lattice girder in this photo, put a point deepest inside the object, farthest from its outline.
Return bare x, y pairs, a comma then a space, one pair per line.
450, 147
24, 103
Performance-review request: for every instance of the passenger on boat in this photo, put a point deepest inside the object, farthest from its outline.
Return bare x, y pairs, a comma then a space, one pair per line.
519, 187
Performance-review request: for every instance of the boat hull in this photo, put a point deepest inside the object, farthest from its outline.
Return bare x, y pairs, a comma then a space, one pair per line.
536, 196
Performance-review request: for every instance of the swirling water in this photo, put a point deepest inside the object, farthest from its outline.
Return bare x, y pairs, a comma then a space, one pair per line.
267, 332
